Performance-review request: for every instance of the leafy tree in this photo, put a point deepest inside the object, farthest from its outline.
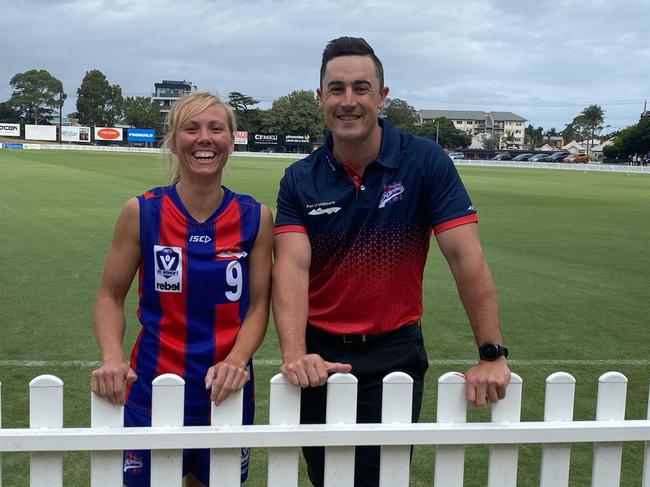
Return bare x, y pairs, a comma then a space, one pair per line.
400, 113
445, 132
37, 94
631, 140
533, 136
98, 102
297, 113
491, 142
142, 112
245, 115
8, 113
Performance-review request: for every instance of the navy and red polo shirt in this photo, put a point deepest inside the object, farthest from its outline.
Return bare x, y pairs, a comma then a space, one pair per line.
370, 235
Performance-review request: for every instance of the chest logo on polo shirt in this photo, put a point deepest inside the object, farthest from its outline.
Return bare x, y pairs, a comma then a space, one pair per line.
168, 268
316, 208
392, 194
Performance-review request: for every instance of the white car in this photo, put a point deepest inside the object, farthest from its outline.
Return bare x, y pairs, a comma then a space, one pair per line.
456, 155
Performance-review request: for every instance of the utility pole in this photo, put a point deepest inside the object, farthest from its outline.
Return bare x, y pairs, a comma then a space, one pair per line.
61, 117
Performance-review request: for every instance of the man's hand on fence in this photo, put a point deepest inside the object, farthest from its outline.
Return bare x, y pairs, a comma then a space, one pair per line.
487, 382
311, 370
225, 378
109, 381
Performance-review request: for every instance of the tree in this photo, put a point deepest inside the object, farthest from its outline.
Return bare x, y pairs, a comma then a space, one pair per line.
533, 136
98, 103
445, 133
297, 113
241, 105
491, 142
400, 113
37, 94
631, 140
8, 113
142, 112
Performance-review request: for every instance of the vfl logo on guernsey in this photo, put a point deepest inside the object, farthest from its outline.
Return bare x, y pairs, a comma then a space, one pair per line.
169, 268
324, 211
392, 194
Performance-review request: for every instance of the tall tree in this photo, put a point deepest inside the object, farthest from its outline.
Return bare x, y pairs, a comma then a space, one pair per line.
244, 113
297, 113
37, 94
400, 113
591, 119
445, 133
98, 102
533, 136
8, 113
142, 112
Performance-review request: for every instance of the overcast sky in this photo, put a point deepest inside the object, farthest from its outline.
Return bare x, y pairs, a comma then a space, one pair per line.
544, 60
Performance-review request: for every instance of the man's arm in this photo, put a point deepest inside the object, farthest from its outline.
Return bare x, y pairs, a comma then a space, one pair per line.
290, 300
487, 381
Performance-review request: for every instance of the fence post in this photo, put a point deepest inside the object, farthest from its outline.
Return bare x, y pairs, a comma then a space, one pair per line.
284, 409
341, 408
502, 468
612, 390
225, 464
105, 466
167, 408
396, 406
452, 408
558, 406
646, 457
46, 411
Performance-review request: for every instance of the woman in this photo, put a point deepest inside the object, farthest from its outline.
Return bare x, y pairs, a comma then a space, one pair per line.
204, 259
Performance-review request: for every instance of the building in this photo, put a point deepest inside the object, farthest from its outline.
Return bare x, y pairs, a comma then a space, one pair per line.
506, 126
167, 92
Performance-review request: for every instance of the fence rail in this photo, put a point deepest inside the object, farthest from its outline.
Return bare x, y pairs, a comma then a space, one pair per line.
46, 439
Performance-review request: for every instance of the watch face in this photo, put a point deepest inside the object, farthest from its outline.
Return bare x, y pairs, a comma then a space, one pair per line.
489, 351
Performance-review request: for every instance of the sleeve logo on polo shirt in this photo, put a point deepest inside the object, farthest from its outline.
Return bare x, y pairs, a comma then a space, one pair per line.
392, 194
318, 210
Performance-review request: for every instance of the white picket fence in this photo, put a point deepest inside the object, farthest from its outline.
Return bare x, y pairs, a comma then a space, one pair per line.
46, 439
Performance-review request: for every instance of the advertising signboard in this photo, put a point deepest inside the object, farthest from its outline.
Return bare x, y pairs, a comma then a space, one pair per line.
265, 139
140, 135
108, 133
75, 134
40, 132
9, 129
241, 137
296, 140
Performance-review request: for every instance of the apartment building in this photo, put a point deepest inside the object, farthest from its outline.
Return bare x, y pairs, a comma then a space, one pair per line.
507, 126
168, 91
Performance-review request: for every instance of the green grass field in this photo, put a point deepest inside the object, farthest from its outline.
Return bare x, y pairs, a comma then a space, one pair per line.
570, 253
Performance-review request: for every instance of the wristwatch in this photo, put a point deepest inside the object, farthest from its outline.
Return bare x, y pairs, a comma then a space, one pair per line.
491, 351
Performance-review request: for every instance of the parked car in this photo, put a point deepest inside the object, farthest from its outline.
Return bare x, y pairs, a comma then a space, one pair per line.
456, 155
577, 159
538, 158
504, 156
558, 156
522, 157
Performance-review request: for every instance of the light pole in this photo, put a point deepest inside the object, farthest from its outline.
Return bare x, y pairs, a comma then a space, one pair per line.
437, 128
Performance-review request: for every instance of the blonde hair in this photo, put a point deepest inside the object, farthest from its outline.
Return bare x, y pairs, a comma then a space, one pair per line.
186, 107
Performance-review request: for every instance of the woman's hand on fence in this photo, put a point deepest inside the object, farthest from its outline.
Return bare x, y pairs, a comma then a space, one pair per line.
110, 380
225, 378
311, 370
487, 382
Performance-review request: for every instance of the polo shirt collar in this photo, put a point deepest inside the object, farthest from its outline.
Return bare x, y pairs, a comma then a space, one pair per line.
388, 152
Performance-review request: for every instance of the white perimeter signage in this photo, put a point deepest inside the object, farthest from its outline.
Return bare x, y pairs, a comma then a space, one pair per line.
108, 133
241, 137
10, 129
75, 134
40, 132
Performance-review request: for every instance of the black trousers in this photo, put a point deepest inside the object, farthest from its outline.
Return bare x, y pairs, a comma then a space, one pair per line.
398, 351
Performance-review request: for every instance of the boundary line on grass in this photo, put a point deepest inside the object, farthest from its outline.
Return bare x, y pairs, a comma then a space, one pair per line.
276, 362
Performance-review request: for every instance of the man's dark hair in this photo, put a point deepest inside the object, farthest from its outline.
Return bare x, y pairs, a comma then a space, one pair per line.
350, 46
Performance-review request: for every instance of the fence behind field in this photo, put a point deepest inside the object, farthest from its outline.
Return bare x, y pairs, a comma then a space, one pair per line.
46, 439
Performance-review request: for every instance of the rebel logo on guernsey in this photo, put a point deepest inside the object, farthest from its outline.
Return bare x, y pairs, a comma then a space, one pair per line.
168, 269
392, 194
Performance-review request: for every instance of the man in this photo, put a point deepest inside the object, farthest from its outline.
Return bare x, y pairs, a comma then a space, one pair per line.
352, 233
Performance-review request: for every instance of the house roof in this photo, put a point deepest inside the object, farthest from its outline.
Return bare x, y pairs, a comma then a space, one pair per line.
470, 115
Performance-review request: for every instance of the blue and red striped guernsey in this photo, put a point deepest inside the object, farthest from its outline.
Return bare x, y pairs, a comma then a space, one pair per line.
193, 289
370, 233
